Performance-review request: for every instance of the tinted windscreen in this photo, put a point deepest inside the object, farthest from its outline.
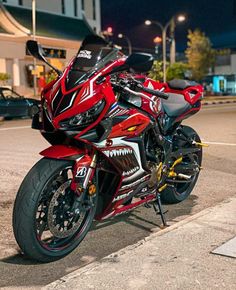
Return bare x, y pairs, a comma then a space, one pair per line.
88, 58
93, 55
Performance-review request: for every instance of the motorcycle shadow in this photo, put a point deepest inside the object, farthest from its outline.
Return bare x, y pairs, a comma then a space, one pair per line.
145, 218
142, 221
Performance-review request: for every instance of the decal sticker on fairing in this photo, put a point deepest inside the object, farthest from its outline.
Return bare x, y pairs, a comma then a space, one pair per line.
135, 155
125, 159
81, 172
85, 54
122, 196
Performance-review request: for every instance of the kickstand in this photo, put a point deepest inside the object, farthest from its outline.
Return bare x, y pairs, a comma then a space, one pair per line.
159, 210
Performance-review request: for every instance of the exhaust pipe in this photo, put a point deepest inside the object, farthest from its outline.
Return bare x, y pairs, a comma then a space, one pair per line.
184, 176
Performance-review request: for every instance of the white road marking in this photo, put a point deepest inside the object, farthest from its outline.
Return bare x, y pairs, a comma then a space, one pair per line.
220, 143
15, 128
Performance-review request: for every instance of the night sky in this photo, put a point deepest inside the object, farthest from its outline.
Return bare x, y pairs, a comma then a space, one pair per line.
217, 18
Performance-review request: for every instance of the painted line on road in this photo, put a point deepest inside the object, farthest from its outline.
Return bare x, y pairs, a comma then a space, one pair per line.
220, 143
15, 128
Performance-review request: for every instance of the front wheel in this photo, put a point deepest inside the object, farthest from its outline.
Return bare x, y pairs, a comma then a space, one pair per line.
48, 220
178, 192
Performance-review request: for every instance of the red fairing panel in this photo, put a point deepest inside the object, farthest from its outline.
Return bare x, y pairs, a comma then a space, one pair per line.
61, 151
137, 120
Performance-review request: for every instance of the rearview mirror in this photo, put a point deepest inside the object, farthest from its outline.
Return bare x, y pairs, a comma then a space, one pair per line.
140, 62
36, 50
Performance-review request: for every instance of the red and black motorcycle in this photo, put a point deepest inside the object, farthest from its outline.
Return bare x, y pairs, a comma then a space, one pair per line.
116, 143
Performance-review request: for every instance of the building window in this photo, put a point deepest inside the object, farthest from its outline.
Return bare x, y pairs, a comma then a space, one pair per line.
82, 4
94, 9
63, 6
4, 1
75, 7
20, 2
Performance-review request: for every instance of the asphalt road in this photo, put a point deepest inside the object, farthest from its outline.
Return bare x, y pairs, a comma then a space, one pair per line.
19, 147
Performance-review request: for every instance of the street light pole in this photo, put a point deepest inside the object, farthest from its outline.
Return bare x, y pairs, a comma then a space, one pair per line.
34, 36
120, 35
172, 44
164, 33
34, 18
164, 29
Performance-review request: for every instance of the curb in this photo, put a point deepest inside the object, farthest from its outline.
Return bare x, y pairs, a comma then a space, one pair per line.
217, 102
61, 283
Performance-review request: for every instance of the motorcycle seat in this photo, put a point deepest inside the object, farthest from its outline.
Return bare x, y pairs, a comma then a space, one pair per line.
181, 84
175, 105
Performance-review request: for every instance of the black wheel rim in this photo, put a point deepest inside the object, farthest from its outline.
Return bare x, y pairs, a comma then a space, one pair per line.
181, 188
60, 217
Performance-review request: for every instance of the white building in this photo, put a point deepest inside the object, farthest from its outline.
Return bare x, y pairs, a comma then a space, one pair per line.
61, 25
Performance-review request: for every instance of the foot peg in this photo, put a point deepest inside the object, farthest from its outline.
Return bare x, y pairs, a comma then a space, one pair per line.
159, 210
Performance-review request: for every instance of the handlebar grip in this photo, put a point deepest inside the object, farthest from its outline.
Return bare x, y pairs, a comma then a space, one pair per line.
155, 92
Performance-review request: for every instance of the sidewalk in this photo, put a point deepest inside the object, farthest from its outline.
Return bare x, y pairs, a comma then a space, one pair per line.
175, 258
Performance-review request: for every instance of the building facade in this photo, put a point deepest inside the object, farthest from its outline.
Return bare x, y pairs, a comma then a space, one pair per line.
61, 25
222, 79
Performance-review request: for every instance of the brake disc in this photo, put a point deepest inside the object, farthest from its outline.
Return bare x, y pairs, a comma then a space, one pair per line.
61, 221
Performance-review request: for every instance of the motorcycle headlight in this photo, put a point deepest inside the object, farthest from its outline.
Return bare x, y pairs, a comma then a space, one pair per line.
82, 120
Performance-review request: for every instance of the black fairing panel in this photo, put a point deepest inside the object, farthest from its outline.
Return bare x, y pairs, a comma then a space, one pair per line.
175, 105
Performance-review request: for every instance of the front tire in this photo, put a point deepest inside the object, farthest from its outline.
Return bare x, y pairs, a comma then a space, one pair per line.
44, 226
179, 192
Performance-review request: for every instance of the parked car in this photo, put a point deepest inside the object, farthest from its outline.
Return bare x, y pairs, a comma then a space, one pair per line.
14, 105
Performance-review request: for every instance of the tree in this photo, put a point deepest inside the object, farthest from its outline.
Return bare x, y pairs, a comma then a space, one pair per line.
199, 53
156, 72
176, 71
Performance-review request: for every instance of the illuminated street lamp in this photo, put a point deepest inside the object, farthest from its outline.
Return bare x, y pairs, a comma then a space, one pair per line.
157, 41
171, 23
120, 35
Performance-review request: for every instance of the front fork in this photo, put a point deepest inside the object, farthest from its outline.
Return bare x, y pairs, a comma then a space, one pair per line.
82, 184
90, 172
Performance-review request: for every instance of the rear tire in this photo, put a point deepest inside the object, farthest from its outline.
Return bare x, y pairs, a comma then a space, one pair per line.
179, 192
35, 199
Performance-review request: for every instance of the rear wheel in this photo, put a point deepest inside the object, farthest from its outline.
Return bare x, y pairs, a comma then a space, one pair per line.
48, 220
180, 191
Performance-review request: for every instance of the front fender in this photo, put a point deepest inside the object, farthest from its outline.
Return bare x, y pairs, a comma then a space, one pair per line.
62, 152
